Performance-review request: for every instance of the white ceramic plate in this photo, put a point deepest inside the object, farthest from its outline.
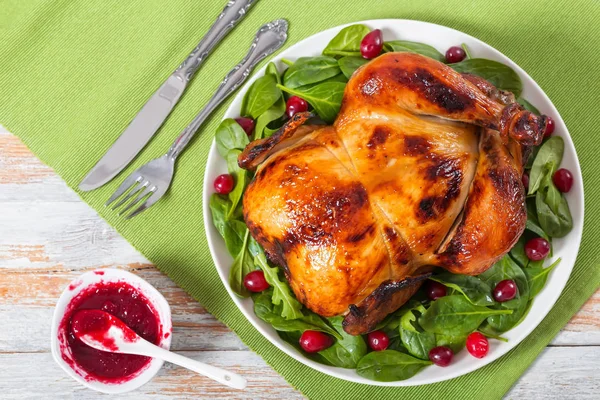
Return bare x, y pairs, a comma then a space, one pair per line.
441, 38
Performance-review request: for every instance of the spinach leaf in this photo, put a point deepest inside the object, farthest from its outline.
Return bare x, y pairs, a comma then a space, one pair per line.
234, 236
229, 136
274, 112
536, 278
414, 47
474, 289
272, 70
349, 64
242, 265
455, 343
557, 224
455, 316
550, 153
492, 335
532, 226
241, 180
518, 251
506, 268
528, 106
265, 310
326, 98
347, 41
219, 208
282, 294
498, 74
414, 338
389, 365
347, 352
308, 70
263, 93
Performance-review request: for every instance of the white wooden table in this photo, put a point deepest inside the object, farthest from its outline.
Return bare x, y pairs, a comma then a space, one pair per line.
48, 236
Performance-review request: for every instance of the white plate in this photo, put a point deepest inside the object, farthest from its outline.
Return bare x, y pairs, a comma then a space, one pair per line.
441, 38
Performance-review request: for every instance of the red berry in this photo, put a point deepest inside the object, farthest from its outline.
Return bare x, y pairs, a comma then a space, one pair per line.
315, 341
549, 127
441, 356
223, 184
477, 345
295, 105
563, 179
372, 44
537, 249
505, 290
435, 290
455, 54
255, 281
378, 340
247, 124
525, 180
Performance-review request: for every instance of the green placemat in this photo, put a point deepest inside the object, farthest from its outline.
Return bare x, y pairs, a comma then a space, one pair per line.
74, 73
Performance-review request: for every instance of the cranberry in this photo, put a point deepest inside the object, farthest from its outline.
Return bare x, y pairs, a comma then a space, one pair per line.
455, 54
549, 127
315, 341
525, 180
372, 44
247, 124
255, 281
505, 290
435, 290
223, 184
477, 345
537, 249
441, 356
563, 179
378, 340
295, 105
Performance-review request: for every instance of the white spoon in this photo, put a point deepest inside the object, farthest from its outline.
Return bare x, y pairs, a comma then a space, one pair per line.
103, 331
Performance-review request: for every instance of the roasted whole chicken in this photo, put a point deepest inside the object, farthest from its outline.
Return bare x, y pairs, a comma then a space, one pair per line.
421, 169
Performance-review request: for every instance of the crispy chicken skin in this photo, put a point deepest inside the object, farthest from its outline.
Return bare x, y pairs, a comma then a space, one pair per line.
421, 169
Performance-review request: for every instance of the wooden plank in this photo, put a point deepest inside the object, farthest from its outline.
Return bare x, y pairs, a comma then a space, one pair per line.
559, 373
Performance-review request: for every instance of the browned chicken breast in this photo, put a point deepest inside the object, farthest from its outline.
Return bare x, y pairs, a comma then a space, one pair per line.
421, 169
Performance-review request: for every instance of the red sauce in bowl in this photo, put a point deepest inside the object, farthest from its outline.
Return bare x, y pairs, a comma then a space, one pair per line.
124, 302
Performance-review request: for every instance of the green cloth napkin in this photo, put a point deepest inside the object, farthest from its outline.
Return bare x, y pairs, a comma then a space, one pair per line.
74, 73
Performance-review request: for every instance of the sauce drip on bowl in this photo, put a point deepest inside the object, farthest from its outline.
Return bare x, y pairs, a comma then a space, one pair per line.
125, 302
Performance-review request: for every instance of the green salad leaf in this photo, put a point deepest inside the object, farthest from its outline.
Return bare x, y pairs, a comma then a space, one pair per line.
473, 288
528, 106
549, 155
326, 98
308, 70
389, 365
557, 224
261, 95
414, 338
347, 41
414, 47
242, 265
536, 278
241, 180
229, 136
347, 352
500, 75
455, 316
271, 314
349, 64
282, 294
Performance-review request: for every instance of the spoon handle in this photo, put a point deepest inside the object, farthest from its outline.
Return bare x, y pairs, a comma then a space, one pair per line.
145, 348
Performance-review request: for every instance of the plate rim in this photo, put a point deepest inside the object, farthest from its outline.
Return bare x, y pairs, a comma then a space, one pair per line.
576, 196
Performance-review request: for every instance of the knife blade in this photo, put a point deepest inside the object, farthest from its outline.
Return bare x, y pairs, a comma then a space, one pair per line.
152, 115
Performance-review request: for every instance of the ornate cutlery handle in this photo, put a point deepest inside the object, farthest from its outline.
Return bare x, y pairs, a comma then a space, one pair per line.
269, 38
233, 12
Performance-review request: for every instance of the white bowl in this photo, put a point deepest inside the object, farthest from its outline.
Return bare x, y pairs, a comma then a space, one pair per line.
111, 275
441, 38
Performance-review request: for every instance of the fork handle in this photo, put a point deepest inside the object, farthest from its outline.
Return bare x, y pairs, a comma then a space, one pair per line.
268, 39
233, 12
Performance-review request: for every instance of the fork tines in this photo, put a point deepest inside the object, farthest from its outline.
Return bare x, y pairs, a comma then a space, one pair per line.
132, 186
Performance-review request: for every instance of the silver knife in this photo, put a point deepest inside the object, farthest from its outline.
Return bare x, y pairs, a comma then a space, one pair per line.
157, 109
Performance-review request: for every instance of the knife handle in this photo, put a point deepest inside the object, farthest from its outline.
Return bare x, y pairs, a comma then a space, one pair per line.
268, 39
233, 12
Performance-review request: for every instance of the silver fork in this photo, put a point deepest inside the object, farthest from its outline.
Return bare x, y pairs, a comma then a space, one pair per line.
150, 182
